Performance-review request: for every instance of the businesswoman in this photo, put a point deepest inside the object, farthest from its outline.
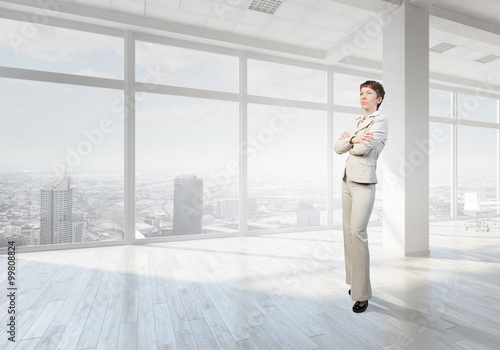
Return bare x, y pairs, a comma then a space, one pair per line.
364, 141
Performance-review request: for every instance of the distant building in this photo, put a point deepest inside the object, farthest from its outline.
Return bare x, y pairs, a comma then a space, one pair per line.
35, 236
153, 220
252, 206
307, 215
188, 205
227, 209
12, 230
79, 231
144, 230
56, 207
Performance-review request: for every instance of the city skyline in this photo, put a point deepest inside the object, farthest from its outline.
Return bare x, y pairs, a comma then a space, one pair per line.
98, 205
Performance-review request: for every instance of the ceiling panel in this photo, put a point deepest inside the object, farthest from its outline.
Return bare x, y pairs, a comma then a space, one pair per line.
255, 18
331, 6
200, 7
281, 24
292, 11
330, 35
308, 3
306, 29
233, 14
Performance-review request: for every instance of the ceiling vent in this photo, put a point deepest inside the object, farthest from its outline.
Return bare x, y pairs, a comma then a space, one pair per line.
487, 59
440, 48
266, 6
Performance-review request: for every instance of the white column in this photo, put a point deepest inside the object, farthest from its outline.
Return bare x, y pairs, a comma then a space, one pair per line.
406, 156
243, 159
330, 152
129, 138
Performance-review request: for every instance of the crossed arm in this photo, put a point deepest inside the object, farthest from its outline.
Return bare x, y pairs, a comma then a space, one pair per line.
362, 143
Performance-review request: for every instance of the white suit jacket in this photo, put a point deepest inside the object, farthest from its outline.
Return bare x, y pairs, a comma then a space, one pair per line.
361, 165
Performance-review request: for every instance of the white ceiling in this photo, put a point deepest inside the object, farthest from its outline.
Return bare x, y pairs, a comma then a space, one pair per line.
316, 28
313, 24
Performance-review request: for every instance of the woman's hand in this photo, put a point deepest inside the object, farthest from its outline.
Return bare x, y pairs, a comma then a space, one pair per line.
365, 138
344, 136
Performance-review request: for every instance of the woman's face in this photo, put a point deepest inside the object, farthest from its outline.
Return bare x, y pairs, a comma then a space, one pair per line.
368, 99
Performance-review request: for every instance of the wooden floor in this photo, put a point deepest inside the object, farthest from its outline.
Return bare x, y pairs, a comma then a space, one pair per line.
283, 291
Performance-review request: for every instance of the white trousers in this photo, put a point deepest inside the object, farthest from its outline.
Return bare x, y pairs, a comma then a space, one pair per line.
357, 206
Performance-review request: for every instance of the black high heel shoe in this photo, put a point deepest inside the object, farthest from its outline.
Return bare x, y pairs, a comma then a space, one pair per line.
358, 309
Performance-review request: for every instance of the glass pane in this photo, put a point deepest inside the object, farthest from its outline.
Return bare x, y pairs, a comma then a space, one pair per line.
284, 81
53, 49
170, 65
287, 164
440, 103
187, 166
477, 108
477, 163
65, 156
346, 89
440, 175
341, 123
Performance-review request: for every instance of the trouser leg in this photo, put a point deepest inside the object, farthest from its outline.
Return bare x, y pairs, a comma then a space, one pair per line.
346, 226
363, 198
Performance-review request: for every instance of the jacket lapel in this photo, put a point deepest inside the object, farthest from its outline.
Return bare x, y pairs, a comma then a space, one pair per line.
367, 122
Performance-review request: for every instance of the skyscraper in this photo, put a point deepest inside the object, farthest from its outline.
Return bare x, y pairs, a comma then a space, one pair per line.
79, 231
188, 205
56, 208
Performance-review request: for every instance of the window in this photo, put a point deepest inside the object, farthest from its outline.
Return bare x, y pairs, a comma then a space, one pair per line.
477, 163
170, 65
287, 165
284, 81
39, 47
440, 104
440, 175
478, 108
346, 89
341, 123
187, 166
62, 178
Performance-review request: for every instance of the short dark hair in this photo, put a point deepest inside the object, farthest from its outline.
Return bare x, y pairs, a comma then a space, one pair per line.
375, 86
